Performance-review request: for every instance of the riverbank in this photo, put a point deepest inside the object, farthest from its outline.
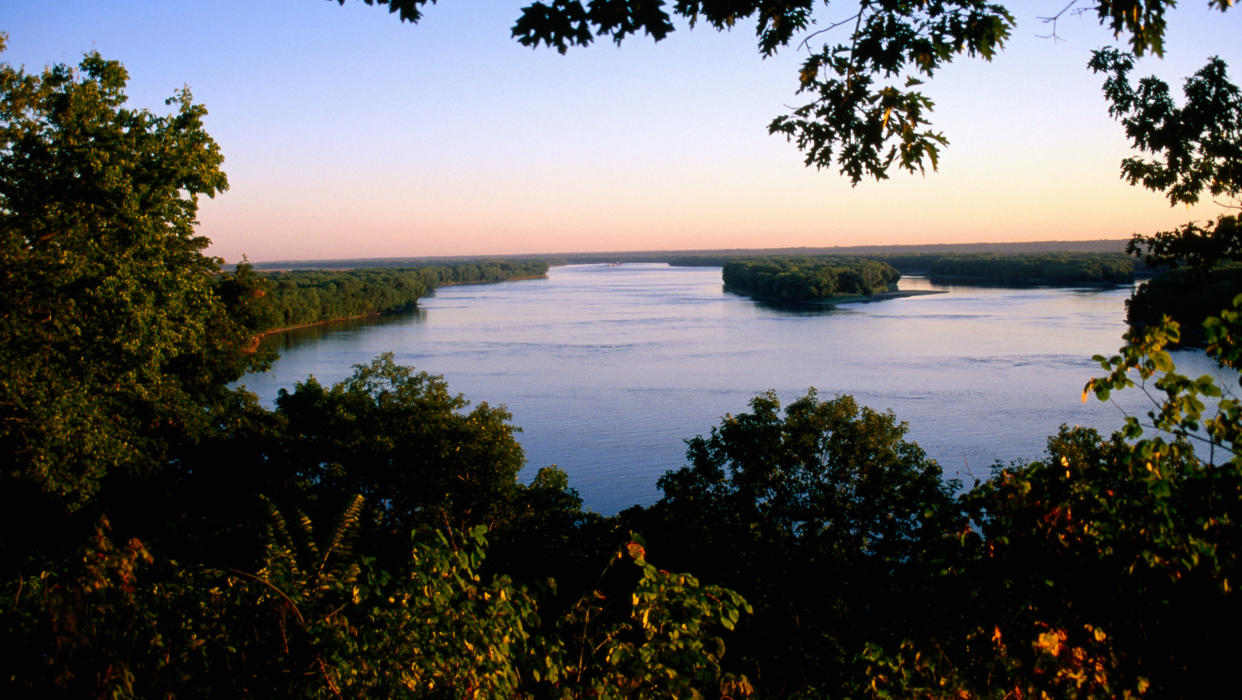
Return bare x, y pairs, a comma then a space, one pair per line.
891, 294
326, 322
544, 276
258, 338
843, 299
1021, 283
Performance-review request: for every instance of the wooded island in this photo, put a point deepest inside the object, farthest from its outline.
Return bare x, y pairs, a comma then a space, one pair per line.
808, 279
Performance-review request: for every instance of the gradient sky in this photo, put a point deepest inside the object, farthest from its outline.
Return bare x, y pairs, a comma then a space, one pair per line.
347, 133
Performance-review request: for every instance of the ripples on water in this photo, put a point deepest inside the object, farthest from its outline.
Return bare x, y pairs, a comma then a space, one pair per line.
609, 369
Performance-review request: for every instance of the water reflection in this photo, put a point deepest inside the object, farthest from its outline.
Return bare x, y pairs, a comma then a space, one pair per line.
294, 337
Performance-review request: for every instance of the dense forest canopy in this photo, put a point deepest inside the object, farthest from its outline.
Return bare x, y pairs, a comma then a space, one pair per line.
306, 296
818, 279
166, 535
1199, 275
1062, 269
1186, 298
300, 297
808, 279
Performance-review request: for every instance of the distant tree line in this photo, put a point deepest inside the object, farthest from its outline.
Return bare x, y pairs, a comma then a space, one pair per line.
918, 255
359, 263
788, 279
301, 297
1052, 269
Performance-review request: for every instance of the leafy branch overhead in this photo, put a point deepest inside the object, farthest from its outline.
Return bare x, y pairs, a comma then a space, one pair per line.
1198, 146
864, 113
1194, 148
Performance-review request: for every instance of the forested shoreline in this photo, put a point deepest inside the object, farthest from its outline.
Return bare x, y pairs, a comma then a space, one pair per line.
1199, 273
298, 298
1053, 268
1065, 269
801, 279
1187, 298
808, 280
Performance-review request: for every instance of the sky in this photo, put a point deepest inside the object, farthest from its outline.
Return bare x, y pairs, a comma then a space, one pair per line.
347, 133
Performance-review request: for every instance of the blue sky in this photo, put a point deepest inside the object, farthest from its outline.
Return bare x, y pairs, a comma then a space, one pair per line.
349, 134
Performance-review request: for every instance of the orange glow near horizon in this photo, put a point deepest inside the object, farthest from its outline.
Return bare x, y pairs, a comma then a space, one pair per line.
348, 134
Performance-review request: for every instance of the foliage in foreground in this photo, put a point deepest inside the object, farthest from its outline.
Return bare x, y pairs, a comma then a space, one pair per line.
316, 619
815, 516
159, 537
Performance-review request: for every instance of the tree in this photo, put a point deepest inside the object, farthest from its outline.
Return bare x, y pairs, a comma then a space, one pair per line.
117, 334
812, 516
400, 439
1195, 148
1109, 567
864, 113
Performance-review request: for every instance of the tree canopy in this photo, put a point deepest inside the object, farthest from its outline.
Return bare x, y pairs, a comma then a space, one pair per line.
800, 279
115, 324
304, 296
864, 111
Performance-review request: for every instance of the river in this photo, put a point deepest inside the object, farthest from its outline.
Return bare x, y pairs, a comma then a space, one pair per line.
608, 370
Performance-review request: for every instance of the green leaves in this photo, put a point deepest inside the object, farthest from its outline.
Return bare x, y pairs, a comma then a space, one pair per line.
402, 439
664, 644
115, 331
1179, 403
1198, 145
1142, 20
567, 23
862, 116
859, 118
795, 280
816, 512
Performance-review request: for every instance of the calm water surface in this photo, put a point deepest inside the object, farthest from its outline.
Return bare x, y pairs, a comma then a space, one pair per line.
609, 369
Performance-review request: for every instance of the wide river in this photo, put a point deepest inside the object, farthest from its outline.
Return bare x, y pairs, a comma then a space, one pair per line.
608, 370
